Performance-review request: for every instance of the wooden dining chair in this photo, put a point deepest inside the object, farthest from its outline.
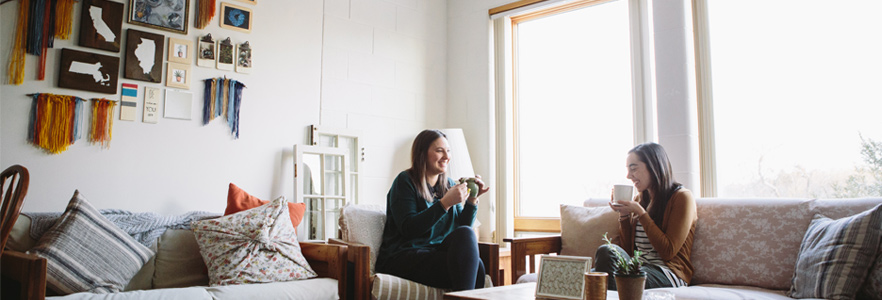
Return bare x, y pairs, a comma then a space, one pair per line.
23, 274
13, 188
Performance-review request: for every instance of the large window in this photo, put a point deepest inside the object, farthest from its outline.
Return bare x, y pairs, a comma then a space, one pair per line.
573, 108
796, 98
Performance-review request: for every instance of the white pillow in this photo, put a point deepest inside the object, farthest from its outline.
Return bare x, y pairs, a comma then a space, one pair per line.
363, 224
257, 245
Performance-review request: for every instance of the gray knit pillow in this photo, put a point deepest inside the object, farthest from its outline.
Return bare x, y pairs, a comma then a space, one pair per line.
835, 255
88, 253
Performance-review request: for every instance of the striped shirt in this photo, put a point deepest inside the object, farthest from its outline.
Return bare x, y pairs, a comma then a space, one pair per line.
650, 256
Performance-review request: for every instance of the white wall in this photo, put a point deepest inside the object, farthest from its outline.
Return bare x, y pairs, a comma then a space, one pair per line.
372, 65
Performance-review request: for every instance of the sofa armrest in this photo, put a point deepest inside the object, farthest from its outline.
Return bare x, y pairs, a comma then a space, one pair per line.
26, 270
327, 260
526, 248
358, 269
490, 256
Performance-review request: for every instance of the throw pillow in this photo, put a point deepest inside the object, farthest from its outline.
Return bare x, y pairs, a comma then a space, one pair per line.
363, 224
872, 289
87, 253
582, 228
252, 246
834, 255
238, 200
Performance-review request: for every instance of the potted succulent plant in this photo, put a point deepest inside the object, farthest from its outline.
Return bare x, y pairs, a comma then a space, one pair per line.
629, 277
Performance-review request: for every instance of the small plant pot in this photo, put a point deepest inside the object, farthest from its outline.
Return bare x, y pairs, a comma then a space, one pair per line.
630, 287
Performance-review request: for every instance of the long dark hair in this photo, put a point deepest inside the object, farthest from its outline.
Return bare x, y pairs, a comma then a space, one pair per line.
662, 185
419, 158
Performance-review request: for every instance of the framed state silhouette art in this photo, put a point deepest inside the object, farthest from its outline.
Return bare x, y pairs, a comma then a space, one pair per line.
144, 56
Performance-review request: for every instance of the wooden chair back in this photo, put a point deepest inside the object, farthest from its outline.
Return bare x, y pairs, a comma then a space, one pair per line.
13, 188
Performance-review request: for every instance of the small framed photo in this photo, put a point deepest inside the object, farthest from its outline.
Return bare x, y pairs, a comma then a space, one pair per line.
235, 17
206, 52
243, 58
562, 277
178, 75
170, 15
225, 54
180, 51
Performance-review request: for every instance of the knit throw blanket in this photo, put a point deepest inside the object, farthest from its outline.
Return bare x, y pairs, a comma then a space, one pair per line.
145, 227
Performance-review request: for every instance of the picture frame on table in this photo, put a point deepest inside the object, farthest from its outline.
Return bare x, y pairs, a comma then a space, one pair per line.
101, 25
180, 51
178, 75
170, 15
235, 17
562, 277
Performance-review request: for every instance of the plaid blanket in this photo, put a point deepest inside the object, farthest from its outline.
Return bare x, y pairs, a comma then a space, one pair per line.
144, 227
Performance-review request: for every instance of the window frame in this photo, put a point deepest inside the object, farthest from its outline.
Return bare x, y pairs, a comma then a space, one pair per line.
505, 39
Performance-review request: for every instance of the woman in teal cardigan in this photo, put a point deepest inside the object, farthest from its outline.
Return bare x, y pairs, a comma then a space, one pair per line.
428, 236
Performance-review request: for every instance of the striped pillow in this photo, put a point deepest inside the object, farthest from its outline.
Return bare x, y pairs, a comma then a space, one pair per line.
835, 255
88, 253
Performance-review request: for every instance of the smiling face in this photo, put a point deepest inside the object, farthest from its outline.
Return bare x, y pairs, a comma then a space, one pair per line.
438, 157
638, 173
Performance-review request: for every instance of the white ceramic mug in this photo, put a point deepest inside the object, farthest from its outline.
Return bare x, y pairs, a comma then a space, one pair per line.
623, 192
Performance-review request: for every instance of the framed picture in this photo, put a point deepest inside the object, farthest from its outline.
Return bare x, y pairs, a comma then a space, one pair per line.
562, 277
101, 25
249, 1
178, 105
88, 71
180, 51
206, 52
178, 75
235, 17
171, 15
143, 56
243, 58
225, 55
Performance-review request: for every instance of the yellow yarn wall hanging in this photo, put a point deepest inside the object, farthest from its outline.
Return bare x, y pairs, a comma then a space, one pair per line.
40, 22
55, 121
101, 130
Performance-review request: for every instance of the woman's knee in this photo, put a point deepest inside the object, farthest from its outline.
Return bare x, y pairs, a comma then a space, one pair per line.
464, 234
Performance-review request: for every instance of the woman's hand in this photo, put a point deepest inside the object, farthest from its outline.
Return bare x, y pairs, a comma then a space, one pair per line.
625, 207
455, 195
482, 188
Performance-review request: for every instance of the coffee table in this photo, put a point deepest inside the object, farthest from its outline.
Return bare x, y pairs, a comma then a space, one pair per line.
523, 291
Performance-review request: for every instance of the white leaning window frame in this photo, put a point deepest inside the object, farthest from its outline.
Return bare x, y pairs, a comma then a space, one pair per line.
356, 152
317, 208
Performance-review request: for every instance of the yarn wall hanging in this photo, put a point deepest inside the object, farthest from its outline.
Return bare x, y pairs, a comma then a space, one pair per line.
39, 23
205, 12
223, 97
101, 130
55, 121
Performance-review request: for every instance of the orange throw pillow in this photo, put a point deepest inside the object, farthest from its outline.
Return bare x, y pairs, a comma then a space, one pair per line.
238, 200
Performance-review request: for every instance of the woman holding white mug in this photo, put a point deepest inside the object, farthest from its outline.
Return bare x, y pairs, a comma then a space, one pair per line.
659, 222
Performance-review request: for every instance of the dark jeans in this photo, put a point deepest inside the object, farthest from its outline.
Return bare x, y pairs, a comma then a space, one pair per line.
655, 277
455, 264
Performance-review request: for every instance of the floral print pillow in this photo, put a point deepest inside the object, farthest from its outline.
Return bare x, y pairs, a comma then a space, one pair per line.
257, 245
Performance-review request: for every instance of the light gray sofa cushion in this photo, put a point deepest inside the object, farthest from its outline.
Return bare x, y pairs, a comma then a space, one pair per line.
191, 293
306, 289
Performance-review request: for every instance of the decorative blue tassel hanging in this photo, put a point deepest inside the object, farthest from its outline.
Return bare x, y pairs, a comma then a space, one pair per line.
223, 97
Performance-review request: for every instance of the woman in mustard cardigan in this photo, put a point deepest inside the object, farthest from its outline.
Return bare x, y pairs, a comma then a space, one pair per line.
659, 222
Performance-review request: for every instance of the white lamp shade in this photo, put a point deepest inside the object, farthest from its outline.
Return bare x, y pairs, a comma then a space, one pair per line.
460, 164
